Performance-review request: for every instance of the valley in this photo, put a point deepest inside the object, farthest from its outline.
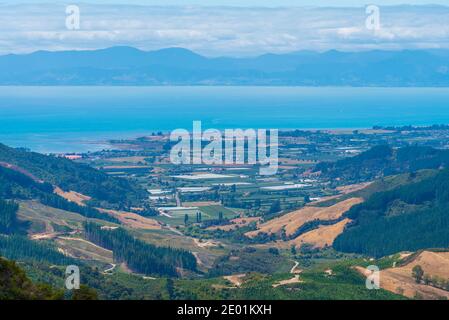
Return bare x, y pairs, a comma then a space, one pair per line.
143, 228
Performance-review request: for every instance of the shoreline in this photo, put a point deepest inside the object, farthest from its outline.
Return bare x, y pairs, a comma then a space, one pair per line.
51, 143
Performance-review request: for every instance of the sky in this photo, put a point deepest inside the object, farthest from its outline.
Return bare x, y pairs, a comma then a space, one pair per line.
216, 30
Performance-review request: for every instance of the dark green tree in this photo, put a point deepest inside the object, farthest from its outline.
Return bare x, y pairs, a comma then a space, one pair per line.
293, 250
84, 293
418, 273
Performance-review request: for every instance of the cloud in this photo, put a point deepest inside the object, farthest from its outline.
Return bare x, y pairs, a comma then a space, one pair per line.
222, 30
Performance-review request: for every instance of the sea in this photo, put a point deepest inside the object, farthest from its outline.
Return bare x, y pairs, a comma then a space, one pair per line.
82, 119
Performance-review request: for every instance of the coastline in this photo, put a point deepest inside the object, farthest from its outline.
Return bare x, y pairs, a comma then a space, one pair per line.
79, 143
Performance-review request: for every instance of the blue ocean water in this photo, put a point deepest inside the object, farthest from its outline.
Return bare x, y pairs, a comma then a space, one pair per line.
66, 119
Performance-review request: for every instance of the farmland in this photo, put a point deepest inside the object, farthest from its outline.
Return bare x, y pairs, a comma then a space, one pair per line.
244, 232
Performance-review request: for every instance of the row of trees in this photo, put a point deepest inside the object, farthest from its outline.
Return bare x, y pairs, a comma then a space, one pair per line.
138, 255
435, 281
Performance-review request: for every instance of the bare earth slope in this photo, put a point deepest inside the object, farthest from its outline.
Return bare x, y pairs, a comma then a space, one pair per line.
322, 237
291, 222
400, 279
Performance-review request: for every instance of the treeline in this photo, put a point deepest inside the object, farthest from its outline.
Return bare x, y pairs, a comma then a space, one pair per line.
70, 175
407, 218
8, 216
140, 256
16, 247
382, 161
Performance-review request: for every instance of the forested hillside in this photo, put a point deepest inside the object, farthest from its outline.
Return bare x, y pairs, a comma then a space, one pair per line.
15, 285
17, 247
71, 176
139, 256
384, 161
410, 217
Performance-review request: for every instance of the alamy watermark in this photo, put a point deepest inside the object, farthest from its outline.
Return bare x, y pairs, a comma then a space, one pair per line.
372, 278
72, 281
73, 17
372, 22
233, 146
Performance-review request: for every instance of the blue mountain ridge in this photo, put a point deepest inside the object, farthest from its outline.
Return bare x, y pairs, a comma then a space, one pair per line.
178, 66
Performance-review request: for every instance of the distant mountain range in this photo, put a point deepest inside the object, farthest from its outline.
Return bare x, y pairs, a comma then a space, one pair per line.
177, 66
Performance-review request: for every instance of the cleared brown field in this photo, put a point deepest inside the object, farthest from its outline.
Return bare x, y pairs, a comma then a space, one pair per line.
44, 236
236, 279
133, 220
321, 237
293, 280
433, 263
83, 249
235, 223
353, 187
276, 225
400, 280
72, 196
294, 220
205, 244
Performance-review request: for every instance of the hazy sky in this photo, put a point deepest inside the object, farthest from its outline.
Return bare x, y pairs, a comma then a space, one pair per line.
218, 30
